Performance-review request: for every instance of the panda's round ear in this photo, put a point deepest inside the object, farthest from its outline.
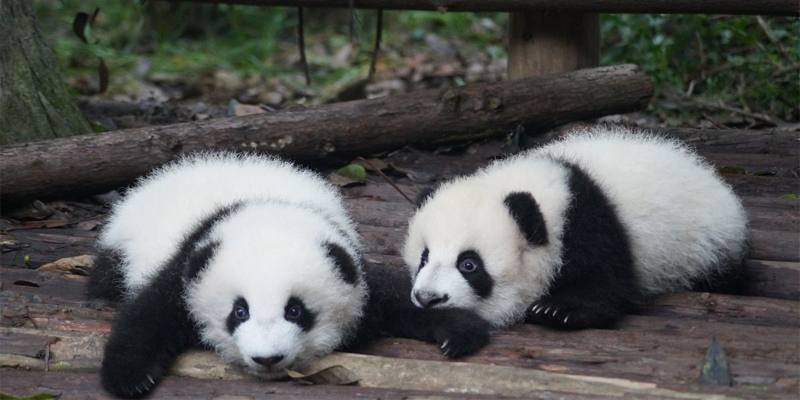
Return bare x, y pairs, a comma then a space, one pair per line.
343, 262
529, 219
423, 196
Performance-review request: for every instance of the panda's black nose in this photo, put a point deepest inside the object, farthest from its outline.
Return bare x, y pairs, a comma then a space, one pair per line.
428, 299
268, 362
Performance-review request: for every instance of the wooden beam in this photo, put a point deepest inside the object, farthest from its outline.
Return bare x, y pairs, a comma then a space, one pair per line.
764, 7
90, 163
541, 43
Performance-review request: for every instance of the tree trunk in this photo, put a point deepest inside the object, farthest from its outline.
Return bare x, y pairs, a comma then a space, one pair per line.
34, 101
88, 163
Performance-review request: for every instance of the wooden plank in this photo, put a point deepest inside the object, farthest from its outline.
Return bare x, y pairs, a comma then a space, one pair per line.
79, 352
774, 245
84, 385
766, 7
777, 279
759, 334
738, 141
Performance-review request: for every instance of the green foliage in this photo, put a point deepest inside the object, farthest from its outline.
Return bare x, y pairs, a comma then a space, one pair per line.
741, 60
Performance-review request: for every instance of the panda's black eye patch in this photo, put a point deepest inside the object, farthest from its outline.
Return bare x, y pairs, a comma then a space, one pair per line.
423, 259
296, 311
470, 265
240, 312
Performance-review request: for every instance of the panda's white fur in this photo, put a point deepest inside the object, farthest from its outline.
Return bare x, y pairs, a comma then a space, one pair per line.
178, 195
268, 248
683, 223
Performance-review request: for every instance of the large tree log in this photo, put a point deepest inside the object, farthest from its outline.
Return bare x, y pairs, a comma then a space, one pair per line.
89, 163
766, 7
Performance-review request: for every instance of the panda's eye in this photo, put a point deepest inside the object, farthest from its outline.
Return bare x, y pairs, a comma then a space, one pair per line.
294, 313
468, 265
241, 313
424, 258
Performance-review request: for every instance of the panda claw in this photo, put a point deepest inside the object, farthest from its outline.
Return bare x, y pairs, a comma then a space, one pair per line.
152, 381
444, 344
566, 319
547, 310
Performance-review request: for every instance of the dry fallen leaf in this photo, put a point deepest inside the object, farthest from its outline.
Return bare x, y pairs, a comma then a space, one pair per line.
334, 375
70, 265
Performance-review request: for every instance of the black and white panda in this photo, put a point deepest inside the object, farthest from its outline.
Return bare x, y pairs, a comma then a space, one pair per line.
572, 234
256, 259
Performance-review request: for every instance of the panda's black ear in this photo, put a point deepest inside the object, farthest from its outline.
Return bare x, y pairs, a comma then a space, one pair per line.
343, 262
526, 214
197, 259
424, 195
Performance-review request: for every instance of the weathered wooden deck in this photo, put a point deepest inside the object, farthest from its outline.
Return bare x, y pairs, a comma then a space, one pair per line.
51, 339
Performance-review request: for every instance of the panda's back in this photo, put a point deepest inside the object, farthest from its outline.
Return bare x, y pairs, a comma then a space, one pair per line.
147, 227
682, 220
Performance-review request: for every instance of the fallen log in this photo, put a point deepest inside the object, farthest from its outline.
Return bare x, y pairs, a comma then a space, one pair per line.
91, 163
767, 7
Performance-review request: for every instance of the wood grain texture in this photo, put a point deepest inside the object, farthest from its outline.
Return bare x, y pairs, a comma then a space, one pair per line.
766, 7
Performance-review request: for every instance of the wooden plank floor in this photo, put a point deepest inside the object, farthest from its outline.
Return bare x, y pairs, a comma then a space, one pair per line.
655, 353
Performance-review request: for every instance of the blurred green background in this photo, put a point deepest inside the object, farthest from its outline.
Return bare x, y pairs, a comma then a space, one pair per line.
699, 63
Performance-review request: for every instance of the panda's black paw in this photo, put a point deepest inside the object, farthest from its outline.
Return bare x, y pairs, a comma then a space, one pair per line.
567, 316
128, 384
129, 374
462, 334
553, 315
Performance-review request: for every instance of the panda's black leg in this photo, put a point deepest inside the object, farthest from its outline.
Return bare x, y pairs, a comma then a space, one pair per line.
149, 333
457, 332
105, 278
579, 307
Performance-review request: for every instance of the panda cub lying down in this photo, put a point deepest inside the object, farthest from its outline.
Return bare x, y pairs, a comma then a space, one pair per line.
256, 259
572, 234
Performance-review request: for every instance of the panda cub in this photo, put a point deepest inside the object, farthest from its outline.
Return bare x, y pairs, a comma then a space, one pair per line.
256, 259
572, 234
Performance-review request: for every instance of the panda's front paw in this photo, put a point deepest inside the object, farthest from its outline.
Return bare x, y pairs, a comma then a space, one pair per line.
550, 314
462, 335
122, 381
564, 315
128, 370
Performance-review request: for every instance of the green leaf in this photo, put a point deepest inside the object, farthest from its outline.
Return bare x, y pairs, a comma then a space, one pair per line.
790, 196
38, 396
715, 370
355, 172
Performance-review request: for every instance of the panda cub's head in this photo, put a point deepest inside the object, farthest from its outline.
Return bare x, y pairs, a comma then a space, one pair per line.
281, 287
480, 243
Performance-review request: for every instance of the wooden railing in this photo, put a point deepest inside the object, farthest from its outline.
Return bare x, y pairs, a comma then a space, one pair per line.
756, 7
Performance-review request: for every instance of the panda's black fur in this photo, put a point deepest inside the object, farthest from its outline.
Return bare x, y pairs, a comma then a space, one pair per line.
597, 284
